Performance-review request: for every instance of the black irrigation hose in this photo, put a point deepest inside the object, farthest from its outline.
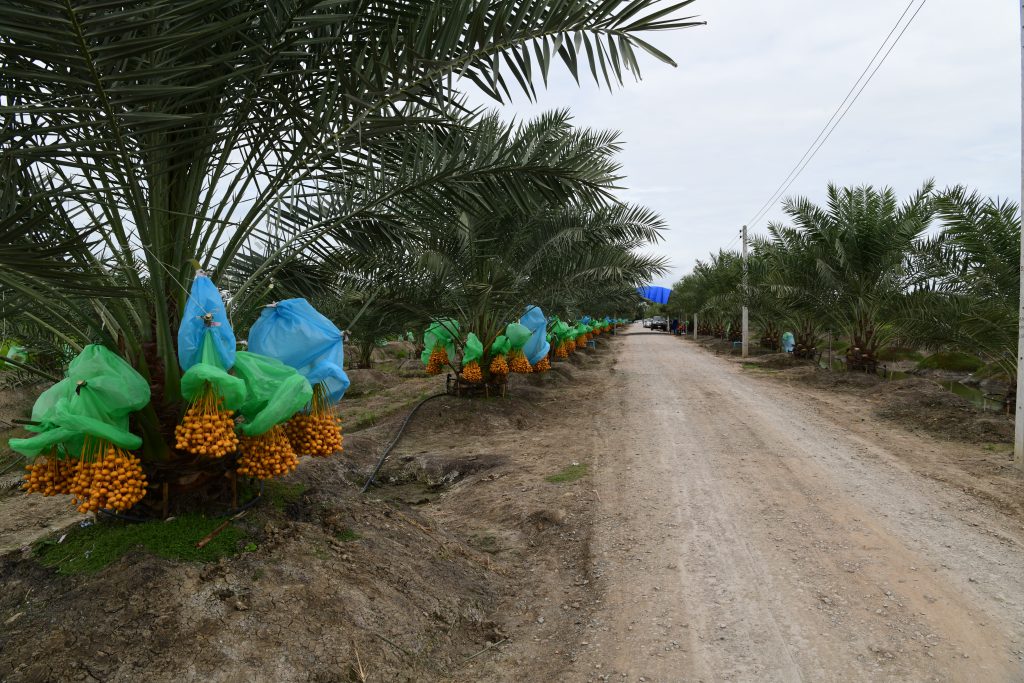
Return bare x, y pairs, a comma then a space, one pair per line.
394, 441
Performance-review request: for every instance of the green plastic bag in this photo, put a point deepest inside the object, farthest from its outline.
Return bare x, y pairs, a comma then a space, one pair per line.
210, 371
274, 392
441, 332
95, 399
17, 353
561, 330
500, 346
518, 335
474, 349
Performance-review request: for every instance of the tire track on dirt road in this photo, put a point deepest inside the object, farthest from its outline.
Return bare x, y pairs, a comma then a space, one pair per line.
742, 535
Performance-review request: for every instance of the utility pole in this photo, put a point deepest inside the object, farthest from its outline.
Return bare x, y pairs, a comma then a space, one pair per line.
1018, 434
746, 322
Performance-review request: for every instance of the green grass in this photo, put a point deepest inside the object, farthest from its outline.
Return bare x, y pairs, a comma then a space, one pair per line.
280, 494
87, 550
347, 536
362, 419
952, 361
569, 474
897, 354
757, 367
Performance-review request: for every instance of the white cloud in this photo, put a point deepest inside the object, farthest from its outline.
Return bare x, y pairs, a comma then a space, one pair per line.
708, 142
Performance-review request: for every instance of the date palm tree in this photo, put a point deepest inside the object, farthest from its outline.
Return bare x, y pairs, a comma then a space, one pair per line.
850, 262
481, 254
970, 293
143, 140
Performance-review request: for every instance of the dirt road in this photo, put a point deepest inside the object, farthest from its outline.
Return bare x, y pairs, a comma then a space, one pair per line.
744, 533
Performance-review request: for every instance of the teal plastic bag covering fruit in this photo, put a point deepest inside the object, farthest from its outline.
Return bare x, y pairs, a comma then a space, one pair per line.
298, 335
518, 335
473, 349
537, 347
274, 392
205, 312
441, 332
16, 353
95, 399
561, 330
208, 370
500, 346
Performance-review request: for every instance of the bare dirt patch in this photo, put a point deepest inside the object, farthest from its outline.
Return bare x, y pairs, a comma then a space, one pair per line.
916, 403
922, 404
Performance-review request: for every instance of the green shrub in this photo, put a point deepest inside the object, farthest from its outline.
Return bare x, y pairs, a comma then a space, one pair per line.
952, 361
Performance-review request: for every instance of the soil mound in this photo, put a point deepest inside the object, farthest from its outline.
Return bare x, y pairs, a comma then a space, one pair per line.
921, 404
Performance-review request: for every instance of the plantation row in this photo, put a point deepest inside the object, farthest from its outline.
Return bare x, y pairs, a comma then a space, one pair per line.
938, 271
173, 174
250, 413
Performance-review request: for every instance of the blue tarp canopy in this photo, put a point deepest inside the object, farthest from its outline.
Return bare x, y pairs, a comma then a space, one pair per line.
658, 295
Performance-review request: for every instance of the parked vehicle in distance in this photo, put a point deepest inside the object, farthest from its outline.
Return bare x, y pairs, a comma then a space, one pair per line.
647, 322
659, 323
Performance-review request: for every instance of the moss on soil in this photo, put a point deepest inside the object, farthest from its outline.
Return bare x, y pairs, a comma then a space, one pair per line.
280, 494
760, 367
569, 474
86, 550
952, 361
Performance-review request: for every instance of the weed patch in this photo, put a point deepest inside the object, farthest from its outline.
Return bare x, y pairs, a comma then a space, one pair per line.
280, 495
87, 550
758, 367
569, 474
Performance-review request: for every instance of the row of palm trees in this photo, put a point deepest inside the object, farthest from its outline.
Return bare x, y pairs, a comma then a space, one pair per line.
481, 255
938, 270
304, 148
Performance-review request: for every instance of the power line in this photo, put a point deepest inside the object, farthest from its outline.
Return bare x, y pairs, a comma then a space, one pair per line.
734, 240
840, 113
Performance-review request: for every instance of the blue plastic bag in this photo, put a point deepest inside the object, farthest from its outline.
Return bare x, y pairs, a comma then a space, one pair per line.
538, 346
205, 311
788, 342
295, 333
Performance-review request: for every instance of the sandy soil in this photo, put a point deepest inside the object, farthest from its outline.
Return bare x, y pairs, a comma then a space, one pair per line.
746, 532
455, 558
736, 525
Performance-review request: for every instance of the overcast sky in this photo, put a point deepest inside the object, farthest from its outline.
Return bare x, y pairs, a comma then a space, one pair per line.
709, 141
